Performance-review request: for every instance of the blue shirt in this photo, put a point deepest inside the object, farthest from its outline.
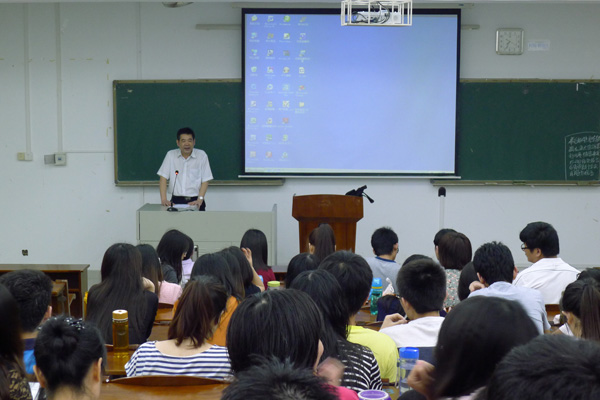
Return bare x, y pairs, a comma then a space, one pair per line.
531, 300
28, 357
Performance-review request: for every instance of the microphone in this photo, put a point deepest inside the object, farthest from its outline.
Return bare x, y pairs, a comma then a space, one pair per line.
360, 192
173, 193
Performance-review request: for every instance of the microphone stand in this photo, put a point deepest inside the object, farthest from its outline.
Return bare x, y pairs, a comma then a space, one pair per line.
173, 193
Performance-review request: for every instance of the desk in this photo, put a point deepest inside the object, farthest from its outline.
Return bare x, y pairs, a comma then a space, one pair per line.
114, 391
74, 274
115, 365
164, 315
60, 299
210, 230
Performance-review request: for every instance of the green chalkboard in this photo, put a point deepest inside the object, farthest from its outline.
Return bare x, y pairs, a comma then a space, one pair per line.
513, 131
149, 113
528, 131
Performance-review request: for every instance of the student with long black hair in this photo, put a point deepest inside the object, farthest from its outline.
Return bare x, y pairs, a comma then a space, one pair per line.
255, 242
250, 279
187, 350
321, 241
167, 292
361, 369
70, 357
172, 249
121, 288
580, 303
215, 265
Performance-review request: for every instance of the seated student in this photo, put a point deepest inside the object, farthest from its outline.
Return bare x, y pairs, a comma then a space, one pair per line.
167, 292
13, 382
278, 324
236, 272
274, 379
496, 268
384, 242
581, 305
436, 240
70, 357
298, 264
467, 276
454, 252
422, 289
255, 242
550, 367
355, 276
474, 337
33, 292
250, 279
549, 274
121, 288
172, 249
187, 351
215, 265
321, 241
590, 273
361, 369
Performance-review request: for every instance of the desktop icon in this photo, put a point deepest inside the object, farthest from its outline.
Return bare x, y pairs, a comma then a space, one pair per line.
270, 18
269, 121
253, 103
269, 104
286, 35
301, 87
253, 35
254, 18
253, 69
253, 121
285, 137
284, 154
285, 103
269, 137
254, 52
286, 18
269, 154
285, 120
303, 19
303, 36
286, 70
300, 70
269, 70
301, 104
302, 53
286, 53
286, 86
252, 154
270, 35
253, 86
269, 52
270, 86
252, 138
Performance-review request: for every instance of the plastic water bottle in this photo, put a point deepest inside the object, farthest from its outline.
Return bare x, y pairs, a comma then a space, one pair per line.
376, 290
273, 285
407, 361
120, 320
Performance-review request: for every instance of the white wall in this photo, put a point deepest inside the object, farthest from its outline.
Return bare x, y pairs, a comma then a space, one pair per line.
72, 214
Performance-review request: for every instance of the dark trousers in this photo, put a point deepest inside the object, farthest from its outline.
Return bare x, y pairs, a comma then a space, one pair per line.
185, 200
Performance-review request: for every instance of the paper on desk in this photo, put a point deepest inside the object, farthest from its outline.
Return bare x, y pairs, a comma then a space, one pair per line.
185, 207
35, 389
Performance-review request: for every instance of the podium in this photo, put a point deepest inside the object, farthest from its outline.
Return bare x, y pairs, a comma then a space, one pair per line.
340, 211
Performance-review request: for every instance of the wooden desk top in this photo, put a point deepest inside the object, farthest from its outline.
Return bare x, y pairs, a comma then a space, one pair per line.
114, 391
164, 315
115, 365
45, 267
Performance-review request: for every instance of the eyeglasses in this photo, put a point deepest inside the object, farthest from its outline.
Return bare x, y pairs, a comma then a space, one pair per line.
524, 247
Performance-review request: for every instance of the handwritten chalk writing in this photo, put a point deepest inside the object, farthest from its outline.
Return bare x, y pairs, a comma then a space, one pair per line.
582, 156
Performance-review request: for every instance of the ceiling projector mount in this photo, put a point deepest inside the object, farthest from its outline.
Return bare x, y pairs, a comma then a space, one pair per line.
376, 13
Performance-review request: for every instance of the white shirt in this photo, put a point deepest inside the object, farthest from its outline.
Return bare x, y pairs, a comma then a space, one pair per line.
192, 172
421, 332
550, 276
531, 300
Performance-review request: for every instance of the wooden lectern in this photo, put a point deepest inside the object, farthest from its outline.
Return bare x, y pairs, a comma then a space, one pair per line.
339, 211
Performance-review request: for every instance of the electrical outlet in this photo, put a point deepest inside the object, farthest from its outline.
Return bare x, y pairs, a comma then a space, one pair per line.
60, 159
25, 252
21, 156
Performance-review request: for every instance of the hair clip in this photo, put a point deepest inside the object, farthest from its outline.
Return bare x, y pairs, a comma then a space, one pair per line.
76, 323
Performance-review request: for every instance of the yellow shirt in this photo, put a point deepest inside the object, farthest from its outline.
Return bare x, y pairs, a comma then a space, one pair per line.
382, 346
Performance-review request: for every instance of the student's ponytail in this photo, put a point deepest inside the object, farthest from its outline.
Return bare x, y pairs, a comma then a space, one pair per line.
590, 311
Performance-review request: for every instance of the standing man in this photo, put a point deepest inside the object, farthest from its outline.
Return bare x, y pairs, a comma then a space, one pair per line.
188, 169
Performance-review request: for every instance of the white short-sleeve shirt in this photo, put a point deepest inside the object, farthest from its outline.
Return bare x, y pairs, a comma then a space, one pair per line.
192, 172
550, 276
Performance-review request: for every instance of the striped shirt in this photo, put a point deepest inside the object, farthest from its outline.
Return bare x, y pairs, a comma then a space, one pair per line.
362, 370
148, 360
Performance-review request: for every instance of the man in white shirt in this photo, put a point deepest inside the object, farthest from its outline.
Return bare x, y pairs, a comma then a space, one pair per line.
422, 289
384, 242
549, 274
495, 268
187, 171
